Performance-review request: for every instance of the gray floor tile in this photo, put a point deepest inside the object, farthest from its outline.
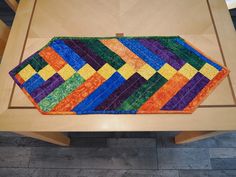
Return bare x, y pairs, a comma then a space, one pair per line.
146, 173
15, 140
131, 142
88, 142
183, 158
14, 156
222, 153
16, 172
207, 173
193, 173
22, 172
9, 134
91, 134
168, 142
99, 158
222, 173
223, 163
114, 134
135, 135
226, 140
222, 141
7, 141
19, 141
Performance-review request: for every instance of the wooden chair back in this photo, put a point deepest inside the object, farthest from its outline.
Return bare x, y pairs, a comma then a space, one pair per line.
4, 32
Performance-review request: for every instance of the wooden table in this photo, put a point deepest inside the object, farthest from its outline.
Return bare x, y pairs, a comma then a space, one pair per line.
205, 23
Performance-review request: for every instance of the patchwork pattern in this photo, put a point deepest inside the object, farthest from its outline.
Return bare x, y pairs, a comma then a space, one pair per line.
118, 75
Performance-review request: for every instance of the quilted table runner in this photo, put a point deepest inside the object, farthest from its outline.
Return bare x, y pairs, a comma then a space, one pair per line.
116, 75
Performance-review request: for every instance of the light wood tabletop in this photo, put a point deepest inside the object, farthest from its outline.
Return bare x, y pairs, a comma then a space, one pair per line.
204, 23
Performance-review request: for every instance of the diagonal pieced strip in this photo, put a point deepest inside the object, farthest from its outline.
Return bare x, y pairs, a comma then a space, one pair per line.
206, 90
103, 52
163, 53
164, 94
127, 55
143, 93
182, 52
144, 53
79, 94
187, 46
93, 60
74, 60
186, 94
122, 93
100, 94
49, 102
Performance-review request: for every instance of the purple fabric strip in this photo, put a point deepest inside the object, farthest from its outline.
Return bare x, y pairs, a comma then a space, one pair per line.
25, 62
95, 61
123, 92
163, 52
187, 93
47, 87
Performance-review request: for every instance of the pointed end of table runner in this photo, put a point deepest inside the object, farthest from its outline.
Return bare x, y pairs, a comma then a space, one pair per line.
118, 75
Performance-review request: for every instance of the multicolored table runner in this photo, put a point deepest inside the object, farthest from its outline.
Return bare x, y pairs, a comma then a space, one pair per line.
116, 75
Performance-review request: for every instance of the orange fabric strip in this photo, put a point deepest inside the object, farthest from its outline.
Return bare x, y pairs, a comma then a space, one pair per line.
127, 55
52, 58
79, 94
164, 94
206, 90
19, 78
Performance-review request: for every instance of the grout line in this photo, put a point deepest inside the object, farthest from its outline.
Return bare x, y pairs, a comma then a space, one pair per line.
209, 157
28, 166
157, 154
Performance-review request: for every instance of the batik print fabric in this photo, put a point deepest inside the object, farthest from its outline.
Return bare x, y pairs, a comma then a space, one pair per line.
117, 75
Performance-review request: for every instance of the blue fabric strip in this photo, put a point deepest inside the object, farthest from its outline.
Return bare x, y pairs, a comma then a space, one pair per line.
144, 53
181, 42
108, 112
34, 82
72, 58
100, 94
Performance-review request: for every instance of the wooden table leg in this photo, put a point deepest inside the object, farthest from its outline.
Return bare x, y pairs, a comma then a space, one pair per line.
51, 137
191, 136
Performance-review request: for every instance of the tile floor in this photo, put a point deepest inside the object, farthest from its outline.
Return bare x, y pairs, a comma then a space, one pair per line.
118, 155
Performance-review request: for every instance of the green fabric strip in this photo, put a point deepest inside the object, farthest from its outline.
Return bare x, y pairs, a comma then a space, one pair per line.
106, 54
37, 62
49, 102
183, 53
142, 94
